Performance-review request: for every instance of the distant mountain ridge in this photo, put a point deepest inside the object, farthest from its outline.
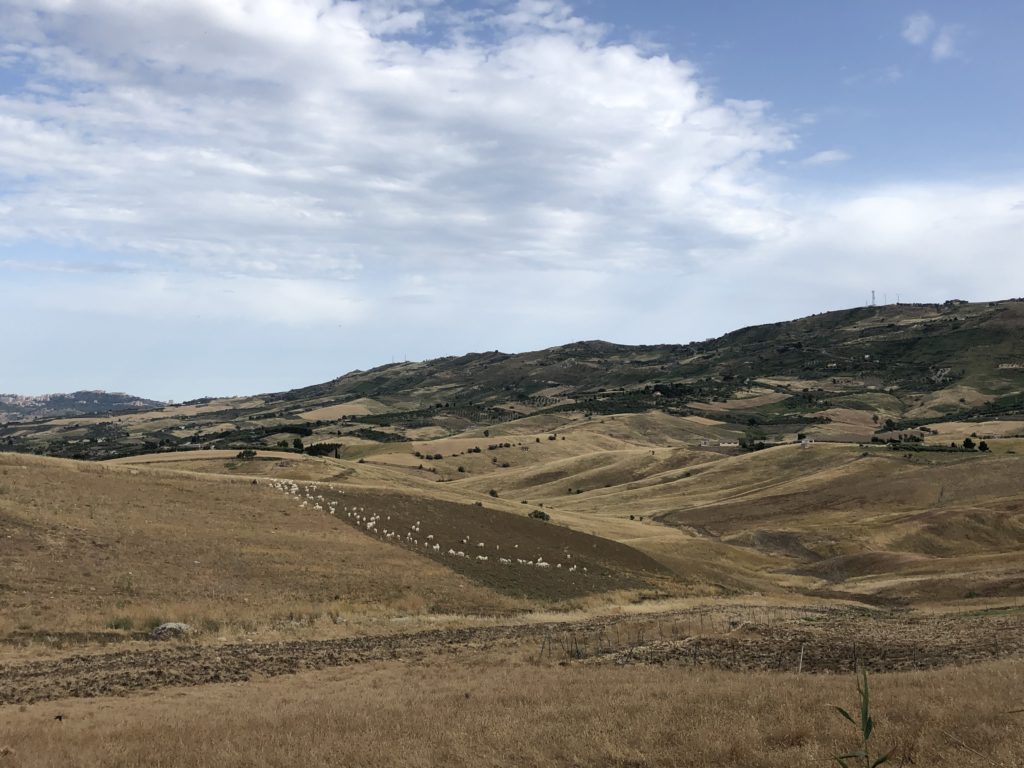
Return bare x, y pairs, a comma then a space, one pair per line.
842, 376
63, 404
905, 348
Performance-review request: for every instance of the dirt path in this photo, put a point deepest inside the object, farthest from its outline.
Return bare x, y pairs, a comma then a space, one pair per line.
728, 638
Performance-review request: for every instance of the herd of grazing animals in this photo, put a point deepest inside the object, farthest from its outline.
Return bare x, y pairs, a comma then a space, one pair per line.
372, 524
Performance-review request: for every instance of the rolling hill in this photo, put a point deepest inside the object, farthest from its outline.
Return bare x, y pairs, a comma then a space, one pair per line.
841, 376
833, 455
741, 514
28, 407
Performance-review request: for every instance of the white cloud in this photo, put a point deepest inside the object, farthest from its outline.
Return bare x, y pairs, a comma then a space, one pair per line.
174, 298
928, 241
431, 181
306, 135
826, 157
920, 28
917, 28
893, 74
945, 44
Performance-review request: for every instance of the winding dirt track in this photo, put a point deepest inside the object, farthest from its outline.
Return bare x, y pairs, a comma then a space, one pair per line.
832, 640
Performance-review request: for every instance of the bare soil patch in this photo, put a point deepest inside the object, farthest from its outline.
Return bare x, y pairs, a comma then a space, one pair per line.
829, 640
511, 554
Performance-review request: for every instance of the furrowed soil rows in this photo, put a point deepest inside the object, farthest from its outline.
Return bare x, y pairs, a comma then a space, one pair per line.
841, 643
832, 640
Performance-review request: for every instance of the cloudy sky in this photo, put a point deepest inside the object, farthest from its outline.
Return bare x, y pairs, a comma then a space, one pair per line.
206, 197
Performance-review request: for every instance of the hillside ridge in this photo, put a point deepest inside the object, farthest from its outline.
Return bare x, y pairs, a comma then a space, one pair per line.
842, 375
15, 407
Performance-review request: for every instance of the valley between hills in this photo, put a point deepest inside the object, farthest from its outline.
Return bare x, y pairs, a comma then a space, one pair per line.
593, 537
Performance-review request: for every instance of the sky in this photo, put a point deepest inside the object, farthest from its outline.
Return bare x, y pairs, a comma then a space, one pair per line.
226, 197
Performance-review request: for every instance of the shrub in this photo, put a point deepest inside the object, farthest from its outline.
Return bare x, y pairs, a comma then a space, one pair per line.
124, 584
247, 453
492, 493
461, 469
121, 622
540, 514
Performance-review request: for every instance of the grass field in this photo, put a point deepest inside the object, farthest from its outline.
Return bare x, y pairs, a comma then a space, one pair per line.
682, 588
865, 521
90, 546
492, 711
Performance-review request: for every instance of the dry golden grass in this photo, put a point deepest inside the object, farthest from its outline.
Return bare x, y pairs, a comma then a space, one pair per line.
362, 407
86, 544
180, 457
745, 400
214, 406
498, 711
847, 424
938, 403
936, 527
703, 421
949, 431
152, 539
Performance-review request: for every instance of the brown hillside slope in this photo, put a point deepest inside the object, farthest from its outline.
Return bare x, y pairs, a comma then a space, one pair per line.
96, 545
86, 545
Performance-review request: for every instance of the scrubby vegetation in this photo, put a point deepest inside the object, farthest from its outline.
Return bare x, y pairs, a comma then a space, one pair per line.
906, 366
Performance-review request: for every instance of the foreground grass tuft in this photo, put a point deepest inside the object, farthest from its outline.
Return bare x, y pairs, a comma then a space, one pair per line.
865, 727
